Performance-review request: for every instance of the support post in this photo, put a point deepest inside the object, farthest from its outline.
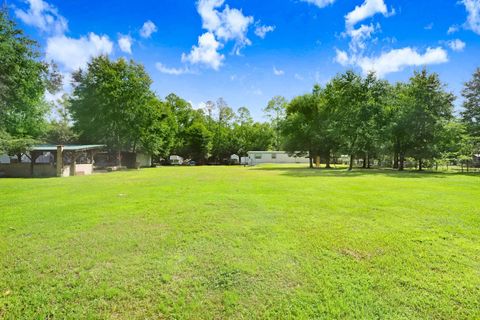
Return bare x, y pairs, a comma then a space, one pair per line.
59, 160
73, 164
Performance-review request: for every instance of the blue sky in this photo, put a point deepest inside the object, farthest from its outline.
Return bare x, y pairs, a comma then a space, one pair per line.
249, 51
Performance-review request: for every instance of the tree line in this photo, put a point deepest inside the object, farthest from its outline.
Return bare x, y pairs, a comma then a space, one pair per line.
112, 103
369, 118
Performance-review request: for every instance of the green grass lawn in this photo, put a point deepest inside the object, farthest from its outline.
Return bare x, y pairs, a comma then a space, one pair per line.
232, 242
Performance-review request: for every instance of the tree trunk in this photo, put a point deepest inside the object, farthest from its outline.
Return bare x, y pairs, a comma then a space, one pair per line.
19, 157
350, 168
420, 165
401, 165
327, 161
364, 166
119, 158
368, 161
311, 162
395, 160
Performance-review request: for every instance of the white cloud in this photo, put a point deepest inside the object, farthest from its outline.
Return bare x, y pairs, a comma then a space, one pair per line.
320, 3
368, 9
473, 19
457, 45
342, 57
429, 26
73, 54
453, 29
398, 59
261, 31
359, 36
43, 16
278, 72
206, 52
148, 29
230, 24
171, 71
125, 43
210, 17
226, 25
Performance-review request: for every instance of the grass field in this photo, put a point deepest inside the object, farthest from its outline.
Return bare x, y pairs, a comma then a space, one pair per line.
233, 242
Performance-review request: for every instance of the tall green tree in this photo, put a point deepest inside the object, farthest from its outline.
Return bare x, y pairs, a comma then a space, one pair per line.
157, 134
398, 129
249, 135
24, 79
198, 144
275, 111
346, 96
222, 129
112, 103
297, 127
372, 118
430, 106
60, 130
471, 104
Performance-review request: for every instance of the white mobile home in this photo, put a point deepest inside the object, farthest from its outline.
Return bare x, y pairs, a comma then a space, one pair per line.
258, 157
176, 160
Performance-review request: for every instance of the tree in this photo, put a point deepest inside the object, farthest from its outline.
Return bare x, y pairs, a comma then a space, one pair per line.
275, 111
372, 120
249, 135
60, 130
346, 95
24, 78
157, 136
222, 129
112, 104
399, 127
471, 104
430, 105
198, 142
242, 131
453, 144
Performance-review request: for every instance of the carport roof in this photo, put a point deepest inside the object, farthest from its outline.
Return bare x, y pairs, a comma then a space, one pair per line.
53, 147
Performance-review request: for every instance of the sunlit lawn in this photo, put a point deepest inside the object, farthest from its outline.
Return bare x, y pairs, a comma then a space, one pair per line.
235, 242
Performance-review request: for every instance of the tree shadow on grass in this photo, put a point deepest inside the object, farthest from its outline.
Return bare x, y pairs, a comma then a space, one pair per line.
305, 172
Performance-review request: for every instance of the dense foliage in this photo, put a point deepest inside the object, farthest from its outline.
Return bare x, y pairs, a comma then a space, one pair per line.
370, 119
24, 79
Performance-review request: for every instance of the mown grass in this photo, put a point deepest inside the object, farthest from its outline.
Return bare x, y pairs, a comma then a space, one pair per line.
233, 242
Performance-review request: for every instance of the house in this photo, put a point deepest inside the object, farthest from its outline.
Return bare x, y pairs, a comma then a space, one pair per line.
258, 157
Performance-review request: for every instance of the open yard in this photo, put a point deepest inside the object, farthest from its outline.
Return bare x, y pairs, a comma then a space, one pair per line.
235, 242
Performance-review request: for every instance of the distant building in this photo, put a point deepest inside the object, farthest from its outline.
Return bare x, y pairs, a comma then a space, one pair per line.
176, 160
259, 157
234, 159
